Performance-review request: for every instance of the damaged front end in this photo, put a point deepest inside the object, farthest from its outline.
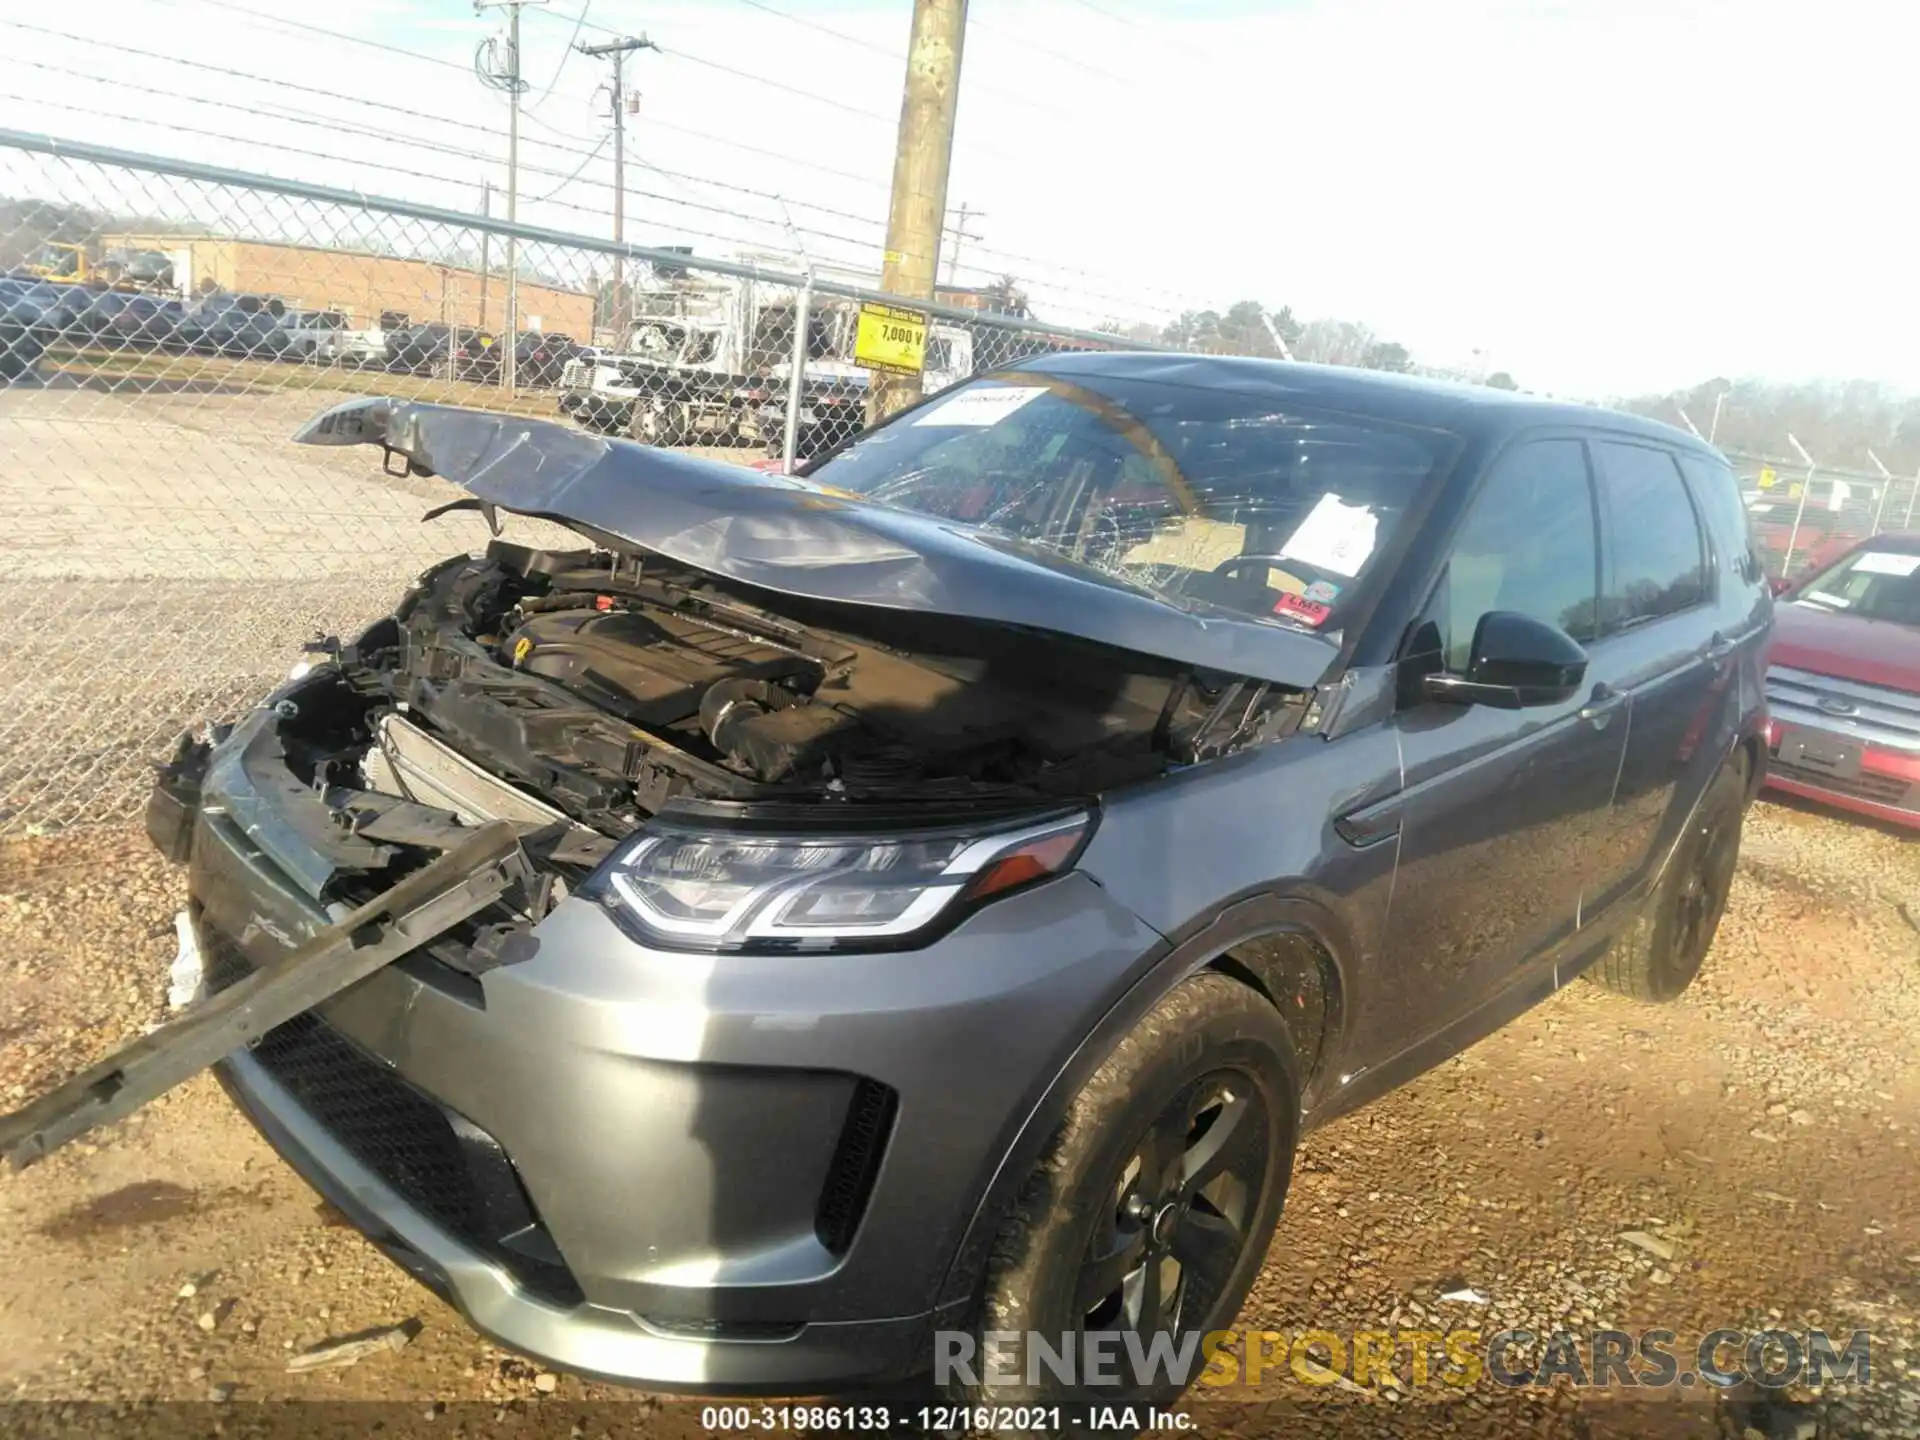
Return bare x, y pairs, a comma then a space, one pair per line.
744, 714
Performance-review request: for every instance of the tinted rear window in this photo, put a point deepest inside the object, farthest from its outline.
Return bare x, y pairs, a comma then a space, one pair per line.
1716, 491
1657, 564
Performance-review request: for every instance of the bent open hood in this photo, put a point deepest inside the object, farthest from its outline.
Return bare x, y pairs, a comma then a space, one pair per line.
786, 535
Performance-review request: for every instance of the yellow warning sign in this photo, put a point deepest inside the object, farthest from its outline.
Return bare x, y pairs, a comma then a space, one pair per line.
891, 339
1767, 477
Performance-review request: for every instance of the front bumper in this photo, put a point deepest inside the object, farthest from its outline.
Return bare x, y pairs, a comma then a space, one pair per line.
1853, 746
693, 1172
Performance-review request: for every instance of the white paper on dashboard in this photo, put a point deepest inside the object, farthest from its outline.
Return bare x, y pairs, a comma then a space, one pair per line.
1335, 536
1885, 562
981, 407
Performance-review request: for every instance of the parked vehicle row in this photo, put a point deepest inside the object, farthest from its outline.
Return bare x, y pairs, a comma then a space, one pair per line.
464, 353
263, 328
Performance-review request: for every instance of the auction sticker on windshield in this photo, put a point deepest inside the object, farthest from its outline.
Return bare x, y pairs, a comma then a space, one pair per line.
1335, 536
1886, 562
981, 406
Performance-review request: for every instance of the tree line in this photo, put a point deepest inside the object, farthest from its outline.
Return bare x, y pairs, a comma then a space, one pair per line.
1250, 328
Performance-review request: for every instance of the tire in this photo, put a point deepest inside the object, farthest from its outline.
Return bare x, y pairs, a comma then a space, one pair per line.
1659, 955
662, 422
1084, 1215
19, 356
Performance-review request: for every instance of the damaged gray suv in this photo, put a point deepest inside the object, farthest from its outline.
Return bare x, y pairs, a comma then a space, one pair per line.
949, 881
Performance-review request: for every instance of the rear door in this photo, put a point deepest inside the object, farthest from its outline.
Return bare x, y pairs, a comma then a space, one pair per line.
1660, 646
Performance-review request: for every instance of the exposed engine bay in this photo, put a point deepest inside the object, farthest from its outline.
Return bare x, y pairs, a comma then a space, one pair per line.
609, 684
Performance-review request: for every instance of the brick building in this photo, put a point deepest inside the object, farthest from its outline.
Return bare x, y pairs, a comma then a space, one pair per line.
361, 286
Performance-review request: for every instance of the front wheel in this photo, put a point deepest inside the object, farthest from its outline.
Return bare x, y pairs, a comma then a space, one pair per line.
1658, 956
1153, 1207
662, 422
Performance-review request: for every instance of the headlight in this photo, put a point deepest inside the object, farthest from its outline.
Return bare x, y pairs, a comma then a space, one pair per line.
705, 889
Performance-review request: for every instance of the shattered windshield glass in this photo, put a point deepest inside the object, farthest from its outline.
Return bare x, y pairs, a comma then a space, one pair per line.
1209, 494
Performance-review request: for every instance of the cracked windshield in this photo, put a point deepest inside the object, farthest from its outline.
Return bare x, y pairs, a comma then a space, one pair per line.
1215, 496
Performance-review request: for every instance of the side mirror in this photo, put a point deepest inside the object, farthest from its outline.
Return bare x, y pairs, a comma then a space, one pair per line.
1516, 662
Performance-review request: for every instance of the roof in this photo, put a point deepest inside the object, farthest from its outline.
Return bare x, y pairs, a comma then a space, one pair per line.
1406, 399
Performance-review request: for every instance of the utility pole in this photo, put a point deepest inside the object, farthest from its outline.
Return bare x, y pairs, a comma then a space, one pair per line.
617, 51
922, 155
505, 76
486, 245
960, 233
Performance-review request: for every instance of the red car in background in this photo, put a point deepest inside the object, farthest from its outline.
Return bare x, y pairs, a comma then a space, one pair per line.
1818, 538
1843, 682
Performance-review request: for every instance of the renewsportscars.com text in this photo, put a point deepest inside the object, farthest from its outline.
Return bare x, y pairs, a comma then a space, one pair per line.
1457, 1359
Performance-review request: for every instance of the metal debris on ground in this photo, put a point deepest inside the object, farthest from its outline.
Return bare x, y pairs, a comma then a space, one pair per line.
1652, 1244
352, 1349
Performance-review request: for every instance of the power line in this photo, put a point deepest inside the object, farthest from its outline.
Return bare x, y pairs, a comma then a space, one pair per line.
975, 24
492, 131
287, 114
1160, 37
898, 57
1047, 276
331, 34
364, 163
274, 81
895, 55
566, 54
1117, 19
290, 114
781, 85
700, 60
585, 160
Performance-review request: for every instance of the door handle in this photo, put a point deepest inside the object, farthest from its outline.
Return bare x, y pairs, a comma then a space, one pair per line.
1718, 649
1601, 704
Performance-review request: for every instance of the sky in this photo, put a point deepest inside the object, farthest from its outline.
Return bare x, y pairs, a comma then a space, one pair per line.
1601, 197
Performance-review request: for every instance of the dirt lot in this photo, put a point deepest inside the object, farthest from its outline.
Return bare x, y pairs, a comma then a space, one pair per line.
1764, 1129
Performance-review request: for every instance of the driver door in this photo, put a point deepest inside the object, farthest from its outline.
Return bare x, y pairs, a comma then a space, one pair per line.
1501, 807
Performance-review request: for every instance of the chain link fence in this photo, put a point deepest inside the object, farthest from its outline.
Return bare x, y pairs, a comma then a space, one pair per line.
1806, 516
166, 327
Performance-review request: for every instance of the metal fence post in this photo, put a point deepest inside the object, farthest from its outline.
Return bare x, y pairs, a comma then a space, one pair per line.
1800, 511
797, 381
1886, 485
1912, 495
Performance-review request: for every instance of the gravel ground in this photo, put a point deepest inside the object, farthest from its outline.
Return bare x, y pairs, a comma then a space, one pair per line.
1763, 1130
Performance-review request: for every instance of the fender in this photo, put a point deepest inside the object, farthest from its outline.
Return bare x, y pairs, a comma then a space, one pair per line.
1195, 948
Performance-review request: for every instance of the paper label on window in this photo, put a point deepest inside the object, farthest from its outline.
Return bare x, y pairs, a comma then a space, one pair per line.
981, 407
1885, 562
1335, 536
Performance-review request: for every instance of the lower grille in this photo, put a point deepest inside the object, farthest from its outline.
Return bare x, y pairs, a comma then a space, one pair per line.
856, 1164
438, 1162
1880, 789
